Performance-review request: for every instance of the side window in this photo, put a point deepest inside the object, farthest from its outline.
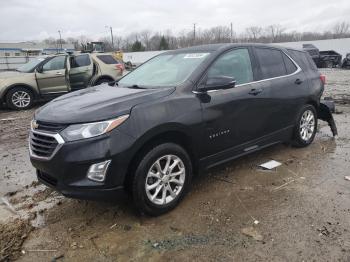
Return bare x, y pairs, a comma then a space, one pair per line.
56, 63
235, 64
290, 66
304, 60
80, 60
108, 59
271, 62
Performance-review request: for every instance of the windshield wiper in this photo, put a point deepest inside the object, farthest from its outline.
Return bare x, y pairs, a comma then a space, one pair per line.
136, 87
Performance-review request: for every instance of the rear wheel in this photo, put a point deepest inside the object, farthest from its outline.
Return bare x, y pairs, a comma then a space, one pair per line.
162, 179
19, 98
306, 127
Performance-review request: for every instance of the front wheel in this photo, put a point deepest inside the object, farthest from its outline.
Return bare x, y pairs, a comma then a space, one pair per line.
162, 179
306, 126
19, 98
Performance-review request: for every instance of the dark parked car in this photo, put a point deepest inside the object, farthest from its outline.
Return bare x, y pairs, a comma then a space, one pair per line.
181, 112
323, 59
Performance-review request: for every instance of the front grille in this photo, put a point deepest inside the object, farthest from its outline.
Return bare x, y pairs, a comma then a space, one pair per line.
43, 126
42, 145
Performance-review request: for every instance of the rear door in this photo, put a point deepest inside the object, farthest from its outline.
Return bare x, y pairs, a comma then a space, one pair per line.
52, 79
234, 116
81, 71
284, 83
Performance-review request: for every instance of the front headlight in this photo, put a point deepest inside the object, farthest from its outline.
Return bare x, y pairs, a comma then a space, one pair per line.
81, 131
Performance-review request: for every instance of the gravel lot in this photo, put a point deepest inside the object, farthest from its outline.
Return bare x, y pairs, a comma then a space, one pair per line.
302, 208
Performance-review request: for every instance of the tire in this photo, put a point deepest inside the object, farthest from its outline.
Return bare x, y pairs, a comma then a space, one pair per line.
303, 136
103, 81
148, 174
19, 98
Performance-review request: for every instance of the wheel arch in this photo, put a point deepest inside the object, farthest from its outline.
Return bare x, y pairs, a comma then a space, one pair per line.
163, 134
31, 88
314, 103
103, 77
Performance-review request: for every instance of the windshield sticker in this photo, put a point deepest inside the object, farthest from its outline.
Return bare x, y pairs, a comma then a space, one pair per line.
196, 55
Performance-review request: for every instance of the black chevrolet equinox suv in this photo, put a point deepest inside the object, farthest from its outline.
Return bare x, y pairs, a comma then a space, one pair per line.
181, 112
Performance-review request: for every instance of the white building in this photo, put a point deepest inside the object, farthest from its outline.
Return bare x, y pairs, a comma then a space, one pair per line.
13, 55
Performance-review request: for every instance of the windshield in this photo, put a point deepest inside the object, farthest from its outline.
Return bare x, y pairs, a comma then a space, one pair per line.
164, 70
28, 67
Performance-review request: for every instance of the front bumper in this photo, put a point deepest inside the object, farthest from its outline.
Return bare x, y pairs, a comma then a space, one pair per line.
92, 193
66, 170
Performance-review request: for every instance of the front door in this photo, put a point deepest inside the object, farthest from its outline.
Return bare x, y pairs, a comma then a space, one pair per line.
235, 116
81, 71
52, 78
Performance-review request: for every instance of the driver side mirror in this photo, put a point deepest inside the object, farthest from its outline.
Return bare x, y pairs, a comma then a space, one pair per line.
39, 69
218, 82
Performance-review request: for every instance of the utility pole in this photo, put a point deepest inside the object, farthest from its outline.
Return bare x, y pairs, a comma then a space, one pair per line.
59, 32
111, 29
231, 33
194, 33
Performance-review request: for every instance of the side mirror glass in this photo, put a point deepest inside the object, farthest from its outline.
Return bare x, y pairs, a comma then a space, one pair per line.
218, 82
39, 69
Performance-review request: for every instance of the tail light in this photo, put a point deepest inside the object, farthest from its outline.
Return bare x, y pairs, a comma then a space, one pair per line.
120, 67
323, 79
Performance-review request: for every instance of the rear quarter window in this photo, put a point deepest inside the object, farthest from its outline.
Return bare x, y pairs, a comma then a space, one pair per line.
303, 59
108, 59
290, 66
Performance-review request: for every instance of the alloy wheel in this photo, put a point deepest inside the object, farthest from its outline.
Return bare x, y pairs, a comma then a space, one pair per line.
165, 179
307, 125
20, 99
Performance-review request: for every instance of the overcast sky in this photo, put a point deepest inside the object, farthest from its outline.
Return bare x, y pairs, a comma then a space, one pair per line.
34, 19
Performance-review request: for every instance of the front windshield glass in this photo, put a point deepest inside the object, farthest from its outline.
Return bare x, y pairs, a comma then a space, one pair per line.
28, 67
164, 70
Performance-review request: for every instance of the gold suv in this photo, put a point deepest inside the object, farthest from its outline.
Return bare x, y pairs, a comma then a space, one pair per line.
47, 77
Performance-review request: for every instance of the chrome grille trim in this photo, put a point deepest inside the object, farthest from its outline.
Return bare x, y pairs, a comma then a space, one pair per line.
56, 136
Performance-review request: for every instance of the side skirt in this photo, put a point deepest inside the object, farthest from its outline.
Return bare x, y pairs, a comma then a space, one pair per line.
283, 135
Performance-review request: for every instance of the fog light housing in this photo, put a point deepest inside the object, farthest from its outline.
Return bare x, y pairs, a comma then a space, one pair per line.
97, 172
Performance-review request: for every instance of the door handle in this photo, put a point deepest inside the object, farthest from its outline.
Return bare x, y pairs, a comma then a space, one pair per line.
59, 73
298, 81
255, 91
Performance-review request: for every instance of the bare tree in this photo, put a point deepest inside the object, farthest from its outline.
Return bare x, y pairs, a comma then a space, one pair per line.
254, 32
341, 29
274, 32
118, 40
145, 36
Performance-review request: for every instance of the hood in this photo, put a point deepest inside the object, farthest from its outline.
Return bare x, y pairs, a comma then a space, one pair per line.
96, 103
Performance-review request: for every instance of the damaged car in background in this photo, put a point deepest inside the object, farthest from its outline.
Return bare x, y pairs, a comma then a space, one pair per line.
323, 59
178, 114
47, 77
